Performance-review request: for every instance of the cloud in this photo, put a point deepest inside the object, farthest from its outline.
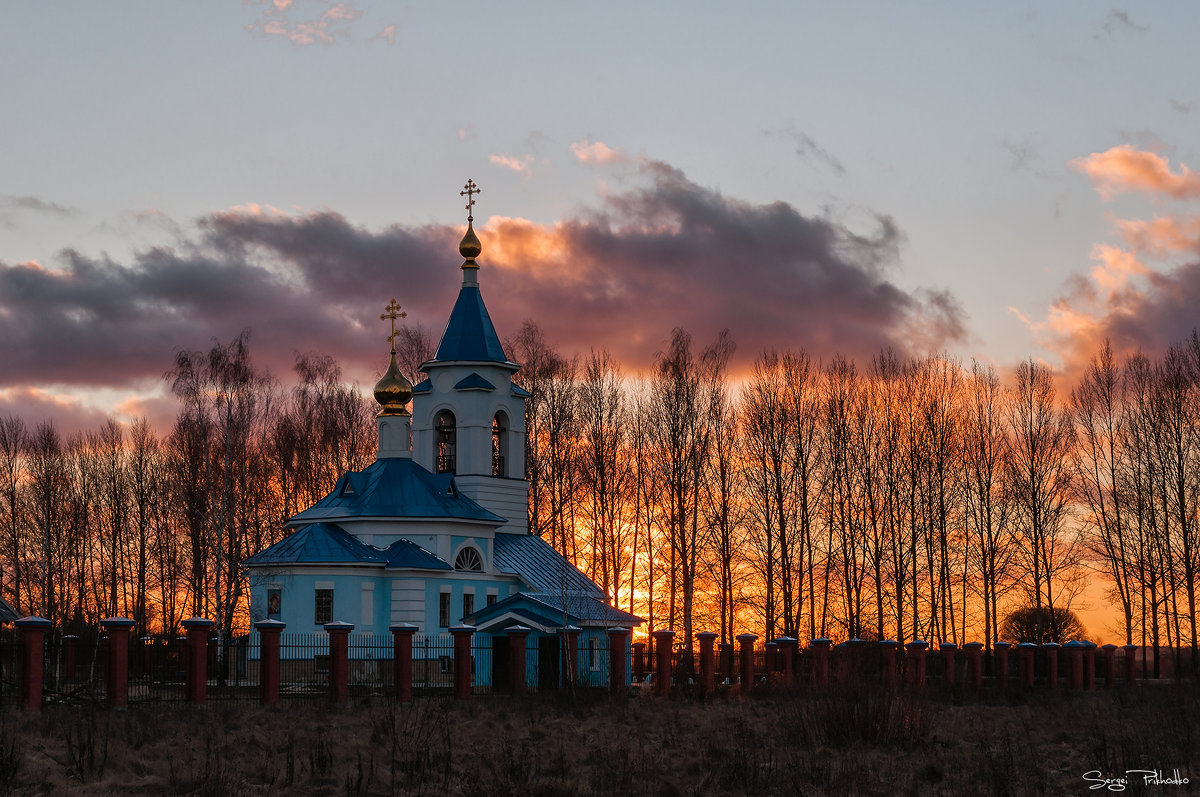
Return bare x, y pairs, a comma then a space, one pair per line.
37, 405
387, 35
588, 151
807, 148
1119, 20
11, 206
659, 252
333, 22
521, 165
1125, 298
1125, 168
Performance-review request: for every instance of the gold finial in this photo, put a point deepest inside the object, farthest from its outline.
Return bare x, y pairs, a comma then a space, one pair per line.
470, 247
392, 312
393, 391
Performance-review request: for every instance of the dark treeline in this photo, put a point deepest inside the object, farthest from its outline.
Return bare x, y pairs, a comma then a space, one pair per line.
904, 497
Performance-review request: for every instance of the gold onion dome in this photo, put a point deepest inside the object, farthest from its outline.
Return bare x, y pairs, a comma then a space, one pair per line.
470, 247
393, 391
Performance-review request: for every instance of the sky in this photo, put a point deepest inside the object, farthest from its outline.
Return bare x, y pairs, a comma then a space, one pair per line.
992, 180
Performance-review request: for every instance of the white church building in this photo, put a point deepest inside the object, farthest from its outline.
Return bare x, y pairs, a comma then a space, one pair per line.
435, 533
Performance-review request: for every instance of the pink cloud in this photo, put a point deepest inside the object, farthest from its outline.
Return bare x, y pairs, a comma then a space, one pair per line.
521, 165
388, 35
588, 151
332, 22
1125, 168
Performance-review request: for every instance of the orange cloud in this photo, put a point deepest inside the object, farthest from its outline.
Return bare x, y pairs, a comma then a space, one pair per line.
1161, 236
522, 165
588, 151
1125, 168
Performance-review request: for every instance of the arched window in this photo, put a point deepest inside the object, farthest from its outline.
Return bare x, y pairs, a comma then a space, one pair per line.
468, 559
444, 437
499, 444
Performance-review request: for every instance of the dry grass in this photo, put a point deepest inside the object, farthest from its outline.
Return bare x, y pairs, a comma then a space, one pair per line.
862, 742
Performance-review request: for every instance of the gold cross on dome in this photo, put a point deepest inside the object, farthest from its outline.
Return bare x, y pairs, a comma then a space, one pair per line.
392, 312
468, 190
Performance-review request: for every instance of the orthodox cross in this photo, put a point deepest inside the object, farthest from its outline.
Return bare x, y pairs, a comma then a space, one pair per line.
469, 189
393, 312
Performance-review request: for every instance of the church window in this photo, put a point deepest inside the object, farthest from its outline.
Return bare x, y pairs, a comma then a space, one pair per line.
491, 598
468, 559
324, 607
445, 437
594, 653
444, 610
499, 444
468, 603
274, 604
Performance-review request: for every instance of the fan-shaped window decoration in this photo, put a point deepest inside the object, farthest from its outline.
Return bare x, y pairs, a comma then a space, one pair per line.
468, 559
445, 438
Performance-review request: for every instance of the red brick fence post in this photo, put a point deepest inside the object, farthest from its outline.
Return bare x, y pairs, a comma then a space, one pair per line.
268, 659
662, 661
339, 661
1110, 665
707, 663
1001, 649
948, 650
1074, 650
33, 660
116, 676
787, 649
1089, 664
517, 636
820, 650
1131, 664
402, 660
914, 662
888, 671
974, 652
1051, 649
746, 643
1025, 652
462, 660
197, 629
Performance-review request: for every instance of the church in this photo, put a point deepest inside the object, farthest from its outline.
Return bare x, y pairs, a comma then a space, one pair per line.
435, 533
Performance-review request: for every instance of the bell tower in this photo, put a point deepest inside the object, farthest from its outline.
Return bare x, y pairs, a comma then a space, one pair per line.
468, 417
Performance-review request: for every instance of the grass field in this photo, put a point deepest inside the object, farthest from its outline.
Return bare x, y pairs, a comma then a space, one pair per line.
805, 742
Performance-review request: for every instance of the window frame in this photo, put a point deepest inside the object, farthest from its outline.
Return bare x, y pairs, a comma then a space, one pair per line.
318, 593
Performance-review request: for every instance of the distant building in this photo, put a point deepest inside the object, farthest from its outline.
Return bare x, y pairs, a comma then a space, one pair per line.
436, 532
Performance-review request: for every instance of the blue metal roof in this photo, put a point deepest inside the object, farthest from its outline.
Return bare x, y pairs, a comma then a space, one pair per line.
474, 381
405, 553
469, 333
397, 488
318, 543
425, 386
542, 567
518, 391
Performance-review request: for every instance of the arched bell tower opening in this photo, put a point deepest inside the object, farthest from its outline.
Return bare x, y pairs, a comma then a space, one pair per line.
445, 442
499, 444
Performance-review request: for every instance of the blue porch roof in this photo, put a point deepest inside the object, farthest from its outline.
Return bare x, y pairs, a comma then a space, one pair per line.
396, 488
551, 610
318, 543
